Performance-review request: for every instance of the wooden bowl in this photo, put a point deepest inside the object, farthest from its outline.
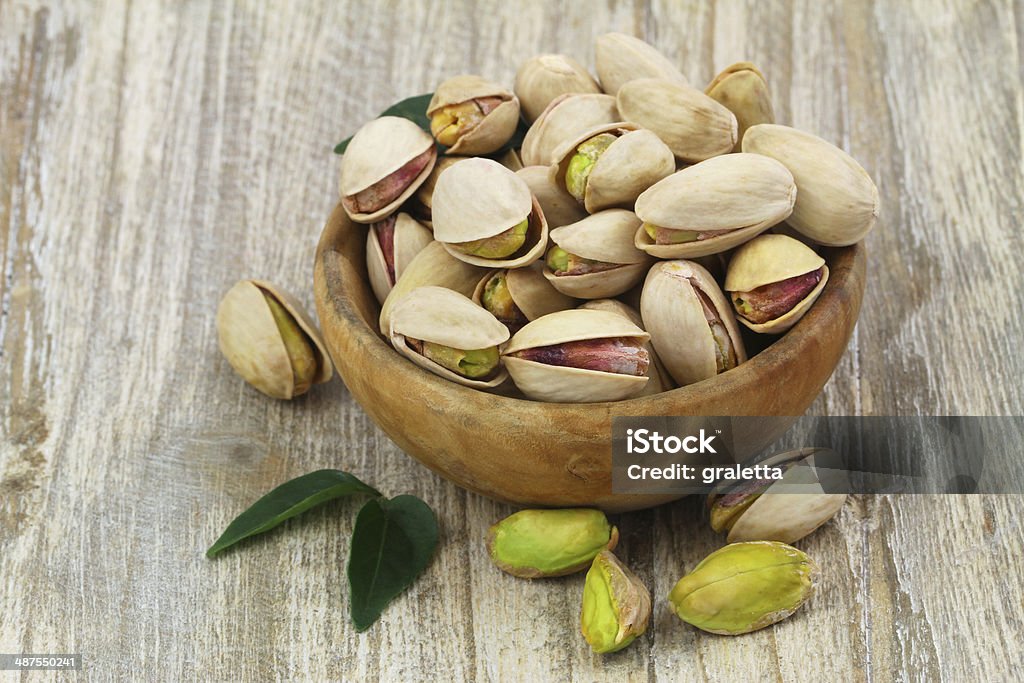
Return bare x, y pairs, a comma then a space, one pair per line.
554, 454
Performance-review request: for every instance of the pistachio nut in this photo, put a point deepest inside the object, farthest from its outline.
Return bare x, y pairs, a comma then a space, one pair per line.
471, 115
714, 206
486, 215
694, 126
269, 340
660, 380
544, 77
616, 605
446, 333
578, 356
610, 165
595, 258
681, 301
384, 164
422, 201
566, 117
620, 58
390, 245
558, 206
744, 587
837, 202
772, 281
533, 544
515, 296
744, 91
782, 510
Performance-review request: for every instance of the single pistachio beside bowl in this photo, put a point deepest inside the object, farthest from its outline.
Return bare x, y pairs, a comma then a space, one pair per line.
620, 58
744, 587
391, 244
542, 543
616, 605
772, 281
660, 379
742, 89
270, 341
541, 79
565, 117
515, 296
471, 115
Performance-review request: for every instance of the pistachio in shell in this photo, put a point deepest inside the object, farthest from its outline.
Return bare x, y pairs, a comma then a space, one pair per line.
515, 296
660, 380
616, 605
609, 166
743, 90
620, 58
714, 206
270, 341
446, 333
681, 301
544, 77
391, 244
694, 126
534, 544
471, 115
578, 356
486, 215
558, 206
595, 258
384, 164
837, 202
566, 117
772, 281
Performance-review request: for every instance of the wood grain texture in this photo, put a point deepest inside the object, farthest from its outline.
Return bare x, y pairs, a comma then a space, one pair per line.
153, 153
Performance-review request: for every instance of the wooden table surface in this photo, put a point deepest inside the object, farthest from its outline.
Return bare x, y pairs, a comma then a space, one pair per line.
153, 153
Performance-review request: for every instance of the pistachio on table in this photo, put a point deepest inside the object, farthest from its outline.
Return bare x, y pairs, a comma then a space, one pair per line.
515, 296
616, 605
744, 91
391, 244
541, 79
620, 58
542, 543
565, 117
471, 115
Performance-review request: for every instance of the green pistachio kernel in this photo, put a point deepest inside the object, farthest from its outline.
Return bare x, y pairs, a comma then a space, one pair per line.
582, 163
296, 343
538, 543
616, 605
558, 259
503, 244
473, 363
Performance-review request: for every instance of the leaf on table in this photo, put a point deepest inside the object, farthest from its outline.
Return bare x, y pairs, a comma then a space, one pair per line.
288, 500
392, 543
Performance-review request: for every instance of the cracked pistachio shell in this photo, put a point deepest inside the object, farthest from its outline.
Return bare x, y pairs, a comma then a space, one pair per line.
542, 543
738, 195
422, 201
479, 198
694, 126
837, 202
544, 77
744, 91
660, 380
564, 118
497, 126
632, 163
433, 266
410, 237
606, 236
441, 316
263, 351
554, 383
377, 150
773, 258
559, 207
620, 58
616, 605
783, 510
530, 291
672, 311
744, 587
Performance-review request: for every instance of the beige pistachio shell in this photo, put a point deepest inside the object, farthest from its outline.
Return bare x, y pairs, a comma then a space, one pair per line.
743, 193
250, 339
410, 238
441, 316
559, 207
565, 117
620, 58
660, 380
544, 77
511, 160
479, 198
837, 202
744, 91
552, 383
422, 201
496, 127
630, 165
694, 126
605, 236
433, 266
672, 311
531, 292
380, 148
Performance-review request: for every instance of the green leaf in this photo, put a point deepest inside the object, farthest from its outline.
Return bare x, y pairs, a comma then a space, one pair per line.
412, 108
287, 500
392, 543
